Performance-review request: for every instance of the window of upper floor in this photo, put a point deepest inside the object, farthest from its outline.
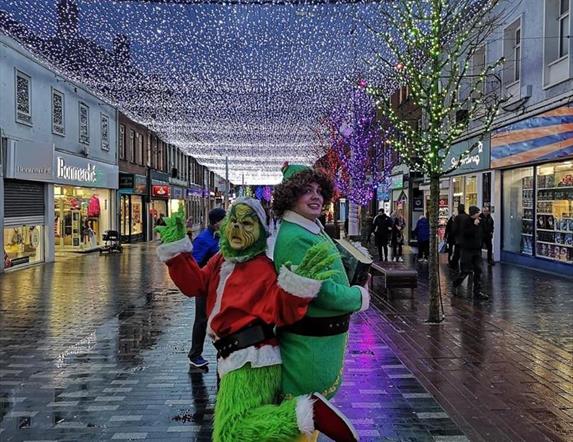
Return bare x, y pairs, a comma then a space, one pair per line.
121, 142
84, 123
23, 89
104, 128
58, 116
512, 42
556, 42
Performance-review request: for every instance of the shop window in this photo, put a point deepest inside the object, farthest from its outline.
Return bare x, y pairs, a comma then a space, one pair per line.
512, 53
104, 126
81, 217
23, 98
554, 215
23, 245
58, 125
84, 117
518, 213
131, 146
471, 193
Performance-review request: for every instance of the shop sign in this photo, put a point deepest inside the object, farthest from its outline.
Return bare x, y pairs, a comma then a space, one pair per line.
443, 202
159, 176
397, 181
139, 185
160, 191
176, 193
544, 137
29, 161
69, 169
194, 191
126, 180
382, 195
478, 158
418, 204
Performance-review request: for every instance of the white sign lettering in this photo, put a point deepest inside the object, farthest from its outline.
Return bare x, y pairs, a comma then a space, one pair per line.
469, 159
75, 173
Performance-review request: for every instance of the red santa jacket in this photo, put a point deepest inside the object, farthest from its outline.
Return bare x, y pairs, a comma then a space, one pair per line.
240, 294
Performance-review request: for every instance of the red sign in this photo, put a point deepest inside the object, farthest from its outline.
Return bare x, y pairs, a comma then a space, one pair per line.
160, 191
443, 202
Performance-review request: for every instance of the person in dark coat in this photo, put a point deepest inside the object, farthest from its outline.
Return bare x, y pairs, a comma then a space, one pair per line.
450, 237
471, 234
459, 220
487, 227
382, 233
398, 226
422, 232
205, 246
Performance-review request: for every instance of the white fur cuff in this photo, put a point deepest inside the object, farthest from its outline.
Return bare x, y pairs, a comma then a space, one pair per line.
365, 298
305, 414
171, 249
298, 285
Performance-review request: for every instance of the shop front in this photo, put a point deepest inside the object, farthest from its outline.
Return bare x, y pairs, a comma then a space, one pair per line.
536, 158
195, 199
177, 199
83, 194
132, 196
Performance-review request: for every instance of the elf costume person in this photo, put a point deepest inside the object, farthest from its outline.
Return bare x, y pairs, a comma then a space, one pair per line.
312, 349
245, 301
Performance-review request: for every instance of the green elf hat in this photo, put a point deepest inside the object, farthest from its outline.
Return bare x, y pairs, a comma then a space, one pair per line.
290, 170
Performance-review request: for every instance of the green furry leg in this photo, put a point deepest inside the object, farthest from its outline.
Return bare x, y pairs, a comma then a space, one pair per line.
244, 411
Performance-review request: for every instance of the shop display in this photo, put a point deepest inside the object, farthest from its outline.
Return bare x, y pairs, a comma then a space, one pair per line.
22, 245
79, 214
554, 216
527, 224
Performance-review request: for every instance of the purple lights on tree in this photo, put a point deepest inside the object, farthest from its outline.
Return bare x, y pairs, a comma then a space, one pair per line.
357, 136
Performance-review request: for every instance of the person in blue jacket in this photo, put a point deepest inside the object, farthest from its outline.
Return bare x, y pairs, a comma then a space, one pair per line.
422, 232
205, 246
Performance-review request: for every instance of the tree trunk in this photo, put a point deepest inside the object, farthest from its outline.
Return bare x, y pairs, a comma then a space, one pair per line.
434, 315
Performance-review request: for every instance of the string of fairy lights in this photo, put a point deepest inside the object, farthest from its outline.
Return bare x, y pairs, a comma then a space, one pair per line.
248, 82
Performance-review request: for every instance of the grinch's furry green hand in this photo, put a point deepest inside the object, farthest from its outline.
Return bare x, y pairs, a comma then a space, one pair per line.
316, 263
174, 228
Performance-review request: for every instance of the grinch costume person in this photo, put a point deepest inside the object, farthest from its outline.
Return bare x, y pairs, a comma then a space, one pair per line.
245, 301
312, 349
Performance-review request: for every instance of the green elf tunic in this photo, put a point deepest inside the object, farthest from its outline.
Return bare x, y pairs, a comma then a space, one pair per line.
314, 363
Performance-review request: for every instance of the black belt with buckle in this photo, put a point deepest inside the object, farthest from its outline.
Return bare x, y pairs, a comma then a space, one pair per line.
316, 326
244, 338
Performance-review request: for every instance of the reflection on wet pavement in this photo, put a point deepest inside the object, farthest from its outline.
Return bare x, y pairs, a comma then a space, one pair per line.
94, 348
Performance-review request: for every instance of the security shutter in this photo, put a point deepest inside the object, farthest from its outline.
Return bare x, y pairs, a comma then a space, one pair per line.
23, 199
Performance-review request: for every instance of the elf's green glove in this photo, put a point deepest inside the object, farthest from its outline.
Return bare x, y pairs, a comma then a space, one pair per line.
316, 263
174, 228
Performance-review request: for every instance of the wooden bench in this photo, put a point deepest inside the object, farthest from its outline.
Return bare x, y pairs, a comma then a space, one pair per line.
396, 276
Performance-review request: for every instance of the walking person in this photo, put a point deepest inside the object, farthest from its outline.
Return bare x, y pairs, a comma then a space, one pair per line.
382, 234
205, 246
459, 220
398, 226
487, 227
472, 240
422, 232
450, 238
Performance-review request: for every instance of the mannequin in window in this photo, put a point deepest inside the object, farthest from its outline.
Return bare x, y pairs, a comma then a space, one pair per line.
93, 207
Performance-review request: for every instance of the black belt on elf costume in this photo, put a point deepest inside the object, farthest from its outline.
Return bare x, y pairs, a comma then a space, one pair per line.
244, 338
316, 326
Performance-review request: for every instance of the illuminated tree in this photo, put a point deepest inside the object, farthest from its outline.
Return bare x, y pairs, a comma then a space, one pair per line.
434, 48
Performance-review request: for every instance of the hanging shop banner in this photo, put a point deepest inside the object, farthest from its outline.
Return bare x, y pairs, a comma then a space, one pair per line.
547, 136
477, 159
194, 191
177, 193
160, 191
397, 181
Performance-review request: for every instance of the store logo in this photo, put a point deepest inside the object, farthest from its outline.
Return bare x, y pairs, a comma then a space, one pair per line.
75, 173
34, 170
469, 159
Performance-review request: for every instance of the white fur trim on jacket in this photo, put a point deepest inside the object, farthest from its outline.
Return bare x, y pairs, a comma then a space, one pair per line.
365, 298
298, 285
171, 249
264, 356
226, 270
305, 414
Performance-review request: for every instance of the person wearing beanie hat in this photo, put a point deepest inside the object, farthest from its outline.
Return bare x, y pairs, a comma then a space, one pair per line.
245, 303
205, 246
313, 349
471, 244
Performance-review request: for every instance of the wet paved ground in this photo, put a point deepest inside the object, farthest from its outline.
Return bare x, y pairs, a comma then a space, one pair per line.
94, 348
502, 368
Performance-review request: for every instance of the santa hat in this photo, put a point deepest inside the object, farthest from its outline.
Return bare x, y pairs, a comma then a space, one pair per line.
254, 204
290, 170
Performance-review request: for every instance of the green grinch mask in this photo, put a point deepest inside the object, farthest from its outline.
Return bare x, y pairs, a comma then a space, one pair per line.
241, 234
